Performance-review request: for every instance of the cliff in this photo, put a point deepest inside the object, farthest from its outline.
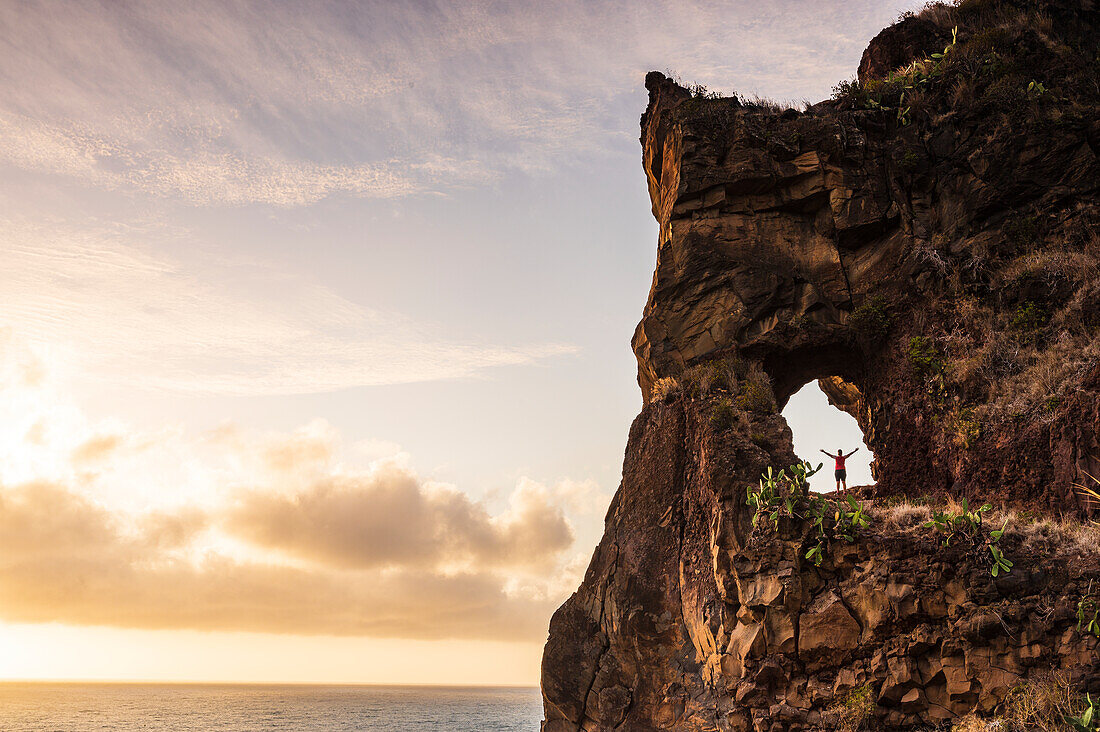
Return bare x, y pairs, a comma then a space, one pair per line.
925, 245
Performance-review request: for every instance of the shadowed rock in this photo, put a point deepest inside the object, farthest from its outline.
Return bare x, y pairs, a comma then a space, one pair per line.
933, 261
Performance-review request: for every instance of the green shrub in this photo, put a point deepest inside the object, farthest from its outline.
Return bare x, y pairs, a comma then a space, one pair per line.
722, 413
924, 357
871, 320
834, 520
851, 94
786, 495
965, 525
756, 394
854, 711
893, 93
968, 428
780, 495
1029, 319
1006, 95
731, 385
714, 376
738, 366
699, 91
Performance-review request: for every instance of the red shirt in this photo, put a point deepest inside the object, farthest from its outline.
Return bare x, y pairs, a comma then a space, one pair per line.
840, 458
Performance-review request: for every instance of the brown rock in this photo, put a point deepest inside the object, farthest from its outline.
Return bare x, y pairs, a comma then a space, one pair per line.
911, 39
827, 631
907, 267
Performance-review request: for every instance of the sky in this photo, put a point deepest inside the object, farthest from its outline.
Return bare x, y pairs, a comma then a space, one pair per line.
315, 320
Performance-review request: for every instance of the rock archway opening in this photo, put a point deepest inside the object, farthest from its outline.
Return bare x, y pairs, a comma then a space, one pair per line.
819, 422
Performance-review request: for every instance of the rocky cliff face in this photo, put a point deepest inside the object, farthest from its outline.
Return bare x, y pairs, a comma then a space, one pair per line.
926, 246
943, 265
689, 618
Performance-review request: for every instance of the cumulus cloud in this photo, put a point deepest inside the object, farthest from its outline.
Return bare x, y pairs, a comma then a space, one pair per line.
389, 518
278, 531
64, 559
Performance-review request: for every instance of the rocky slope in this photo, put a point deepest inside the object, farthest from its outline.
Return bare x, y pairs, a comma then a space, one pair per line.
926, 245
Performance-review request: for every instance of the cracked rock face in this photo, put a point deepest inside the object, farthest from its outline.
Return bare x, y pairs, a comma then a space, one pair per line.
687, 620
940, 277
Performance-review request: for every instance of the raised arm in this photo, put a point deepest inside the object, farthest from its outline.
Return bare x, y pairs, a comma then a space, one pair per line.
853, 452
830, 454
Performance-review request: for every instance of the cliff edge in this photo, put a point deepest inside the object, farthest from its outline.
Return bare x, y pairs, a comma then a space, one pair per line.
925, 245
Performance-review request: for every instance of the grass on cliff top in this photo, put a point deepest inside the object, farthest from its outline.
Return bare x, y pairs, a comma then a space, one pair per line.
752, 101
1037, 536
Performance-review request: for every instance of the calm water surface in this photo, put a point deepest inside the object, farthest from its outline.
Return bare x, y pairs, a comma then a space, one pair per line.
49, 707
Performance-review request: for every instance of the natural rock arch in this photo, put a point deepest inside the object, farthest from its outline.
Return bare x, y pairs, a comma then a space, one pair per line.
846, 397
891, 257
796, 241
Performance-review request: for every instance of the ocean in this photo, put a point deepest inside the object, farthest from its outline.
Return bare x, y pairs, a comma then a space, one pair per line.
76, 707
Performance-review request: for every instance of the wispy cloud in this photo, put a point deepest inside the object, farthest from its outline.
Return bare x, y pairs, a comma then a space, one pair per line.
212, 176
236, 102
129, 312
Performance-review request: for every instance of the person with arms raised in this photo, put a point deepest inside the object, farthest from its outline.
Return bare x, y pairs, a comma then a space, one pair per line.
840, 473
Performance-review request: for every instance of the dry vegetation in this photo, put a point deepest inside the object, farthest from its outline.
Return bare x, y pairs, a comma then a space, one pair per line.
732, 386
853, 712
1037, 705
1023, 326
664, 387
1037, 536
1024, 331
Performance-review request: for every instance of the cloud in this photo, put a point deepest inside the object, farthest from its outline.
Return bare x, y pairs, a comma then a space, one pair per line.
96, 449
64, 559
309, 447
284, 532
374, 564
218, 103
127, 311
388, 518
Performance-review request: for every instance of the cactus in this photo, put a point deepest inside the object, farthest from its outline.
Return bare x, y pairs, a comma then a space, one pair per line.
967, 526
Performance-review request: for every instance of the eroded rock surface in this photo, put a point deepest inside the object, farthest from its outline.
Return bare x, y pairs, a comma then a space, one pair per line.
935, 266
687, 620
946, 268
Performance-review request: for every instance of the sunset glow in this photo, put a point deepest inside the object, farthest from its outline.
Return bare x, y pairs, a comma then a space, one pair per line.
315, 321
